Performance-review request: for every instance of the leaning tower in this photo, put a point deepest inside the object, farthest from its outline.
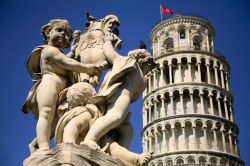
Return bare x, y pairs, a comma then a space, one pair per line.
188, 114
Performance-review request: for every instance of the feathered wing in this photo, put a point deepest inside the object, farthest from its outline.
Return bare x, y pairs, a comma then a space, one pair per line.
33, 63
34, 69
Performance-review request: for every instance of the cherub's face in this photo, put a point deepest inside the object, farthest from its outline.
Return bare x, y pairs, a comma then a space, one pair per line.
59, 36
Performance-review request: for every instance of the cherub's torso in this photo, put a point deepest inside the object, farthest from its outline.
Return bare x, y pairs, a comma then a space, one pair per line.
52, 73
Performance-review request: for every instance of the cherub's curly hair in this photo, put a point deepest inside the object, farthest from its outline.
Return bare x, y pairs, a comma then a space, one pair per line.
46, 29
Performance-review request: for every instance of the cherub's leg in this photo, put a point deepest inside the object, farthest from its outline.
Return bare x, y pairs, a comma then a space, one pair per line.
116, 113
46, 99
33, 146
120, 152
75, 127
125, 132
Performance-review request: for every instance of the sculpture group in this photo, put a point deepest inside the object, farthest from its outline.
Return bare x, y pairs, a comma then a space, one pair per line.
64, 98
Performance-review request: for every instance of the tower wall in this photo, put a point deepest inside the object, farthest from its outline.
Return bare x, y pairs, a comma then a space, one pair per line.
187, 105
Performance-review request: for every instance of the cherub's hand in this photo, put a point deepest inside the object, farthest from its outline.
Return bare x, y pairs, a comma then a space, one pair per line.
76, 37
93, 70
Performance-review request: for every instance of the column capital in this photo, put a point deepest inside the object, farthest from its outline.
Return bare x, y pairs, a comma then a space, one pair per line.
156, 133
207, 64
155, 70
230, 132
225, 99
221, 68
150, 135
214, 128
222, 129
204, 127
215, 65
189, 60
218, 96
210, 94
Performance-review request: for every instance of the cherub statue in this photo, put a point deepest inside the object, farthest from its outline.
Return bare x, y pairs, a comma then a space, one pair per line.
49, 68
81, 114
121, 86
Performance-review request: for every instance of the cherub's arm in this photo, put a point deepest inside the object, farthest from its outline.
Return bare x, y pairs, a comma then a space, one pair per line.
54, 55
108, 49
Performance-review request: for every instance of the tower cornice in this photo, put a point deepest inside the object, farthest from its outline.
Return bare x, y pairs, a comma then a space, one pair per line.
179, 19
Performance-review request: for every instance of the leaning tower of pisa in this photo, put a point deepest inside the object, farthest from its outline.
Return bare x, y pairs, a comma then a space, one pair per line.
188, 114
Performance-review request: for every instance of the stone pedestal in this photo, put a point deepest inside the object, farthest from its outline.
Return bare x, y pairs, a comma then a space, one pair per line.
73, 155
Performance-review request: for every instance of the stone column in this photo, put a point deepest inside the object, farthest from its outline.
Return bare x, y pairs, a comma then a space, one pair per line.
230, 141
205, 137
143, 144
174, 137
150, 142
192, 102
184, 135
170, 74
219, 106
154, 78
231, 111
215, 144
146, 116
172, 104
227, 81
163, 113
182, 103
216, 74
143, 117
188, 37
225, 106
236, 146
212, 43
157, 148
149, 114
210, 95
146, 144
155, 109
222, 78
162, 77
223, 138
199, 70
164, 139
179, 68
190, 71
195, 141
208, 73
202, 103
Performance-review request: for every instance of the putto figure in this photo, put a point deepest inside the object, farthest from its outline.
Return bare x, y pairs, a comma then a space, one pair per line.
65, 101
49, 68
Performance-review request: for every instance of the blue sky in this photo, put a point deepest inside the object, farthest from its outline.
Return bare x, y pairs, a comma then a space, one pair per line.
21, 22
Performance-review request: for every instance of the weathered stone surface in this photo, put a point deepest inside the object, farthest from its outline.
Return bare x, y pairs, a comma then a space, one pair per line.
73, 155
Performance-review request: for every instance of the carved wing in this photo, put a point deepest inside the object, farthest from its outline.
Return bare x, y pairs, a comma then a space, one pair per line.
33, 64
